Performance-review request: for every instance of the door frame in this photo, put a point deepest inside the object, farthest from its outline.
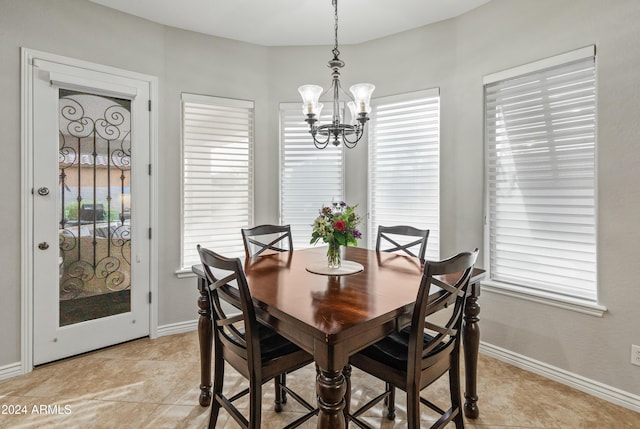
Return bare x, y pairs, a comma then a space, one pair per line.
26, 226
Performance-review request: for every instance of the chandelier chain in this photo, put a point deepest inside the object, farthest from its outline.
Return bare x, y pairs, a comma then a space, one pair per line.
335, 50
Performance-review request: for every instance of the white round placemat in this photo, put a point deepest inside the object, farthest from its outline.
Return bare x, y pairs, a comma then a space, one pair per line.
346, 268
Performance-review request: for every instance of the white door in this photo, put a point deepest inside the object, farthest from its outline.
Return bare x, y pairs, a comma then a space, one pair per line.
91, 210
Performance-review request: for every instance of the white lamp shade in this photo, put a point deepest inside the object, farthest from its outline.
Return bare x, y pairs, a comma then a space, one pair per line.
352, 110
317, 112
310, 95
362, 95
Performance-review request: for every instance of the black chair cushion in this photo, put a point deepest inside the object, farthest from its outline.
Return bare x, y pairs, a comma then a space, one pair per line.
273, 345
393, 350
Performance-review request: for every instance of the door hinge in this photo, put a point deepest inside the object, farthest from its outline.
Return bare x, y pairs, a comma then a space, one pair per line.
149, 297
149, 169
149, 105
149, 233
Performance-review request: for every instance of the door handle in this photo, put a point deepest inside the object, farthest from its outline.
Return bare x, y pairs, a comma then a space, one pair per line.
43, 191
43, 246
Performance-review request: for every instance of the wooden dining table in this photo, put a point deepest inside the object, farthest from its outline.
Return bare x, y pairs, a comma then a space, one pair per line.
333, 317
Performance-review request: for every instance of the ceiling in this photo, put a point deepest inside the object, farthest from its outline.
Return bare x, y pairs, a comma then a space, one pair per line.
294, 22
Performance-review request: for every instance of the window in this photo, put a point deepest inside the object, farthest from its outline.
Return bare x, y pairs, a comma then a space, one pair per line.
309, 177
217, 188
404, 159
540, 130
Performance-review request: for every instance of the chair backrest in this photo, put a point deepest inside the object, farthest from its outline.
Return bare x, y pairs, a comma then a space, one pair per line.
276, 238
236, 333
443, 286
391, 236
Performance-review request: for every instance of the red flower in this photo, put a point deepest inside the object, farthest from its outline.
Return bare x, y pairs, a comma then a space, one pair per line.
339, 225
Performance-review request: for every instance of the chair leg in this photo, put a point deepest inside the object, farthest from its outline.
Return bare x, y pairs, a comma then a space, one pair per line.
413, 407
346, 371
218, 380
454, 388
283, 382
279, 382
255, 403
390, 401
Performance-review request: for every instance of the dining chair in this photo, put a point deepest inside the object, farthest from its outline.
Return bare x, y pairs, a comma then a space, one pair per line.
418, 355
260, 238
393, 239
272, 238
254, 350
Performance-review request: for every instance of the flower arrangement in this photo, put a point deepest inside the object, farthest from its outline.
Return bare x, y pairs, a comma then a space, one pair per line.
337, 226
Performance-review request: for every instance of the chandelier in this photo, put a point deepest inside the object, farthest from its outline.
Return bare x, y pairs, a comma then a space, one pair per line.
359, 106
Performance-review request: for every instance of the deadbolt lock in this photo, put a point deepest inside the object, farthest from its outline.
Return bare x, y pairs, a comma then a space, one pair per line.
43, 246
43, 191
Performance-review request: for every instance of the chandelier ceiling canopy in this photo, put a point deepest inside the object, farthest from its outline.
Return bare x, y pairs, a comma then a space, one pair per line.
359, 105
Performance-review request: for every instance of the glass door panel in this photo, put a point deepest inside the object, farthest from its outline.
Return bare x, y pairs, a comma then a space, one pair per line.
94, 206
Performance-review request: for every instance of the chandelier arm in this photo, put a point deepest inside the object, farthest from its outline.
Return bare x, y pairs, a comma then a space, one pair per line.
359, 132
318, 143
350, 145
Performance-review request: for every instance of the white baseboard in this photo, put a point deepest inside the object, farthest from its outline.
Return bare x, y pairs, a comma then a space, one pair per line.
177, 328
11, 370
594, 388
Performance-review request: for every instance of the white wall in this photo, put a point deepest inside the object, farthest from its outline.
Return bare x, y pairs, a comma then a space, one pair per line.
88, 33
182, 61
453, 55
509, 33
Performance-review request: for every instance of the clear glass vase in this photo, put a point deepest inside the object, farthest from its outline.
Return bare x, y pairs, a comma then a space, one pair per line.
333, 256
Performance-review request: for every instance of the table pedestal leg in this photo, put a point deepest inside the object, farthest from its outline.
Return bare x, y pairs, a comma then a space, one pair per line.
331, 388
205, 336
471, 342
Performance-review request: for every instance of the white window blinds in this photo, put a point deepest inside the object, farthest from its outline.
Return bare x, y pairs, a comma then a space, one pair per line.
540, 137
217, 191
309, 177
404, 165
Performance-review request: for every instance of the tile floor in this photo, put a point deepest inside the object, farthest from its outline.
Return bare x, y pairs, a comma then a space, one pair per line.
154, 384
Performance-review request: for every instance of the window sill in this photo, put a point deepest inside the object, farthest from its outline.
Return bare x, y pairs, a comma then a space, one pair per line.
567, 303
183, 273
